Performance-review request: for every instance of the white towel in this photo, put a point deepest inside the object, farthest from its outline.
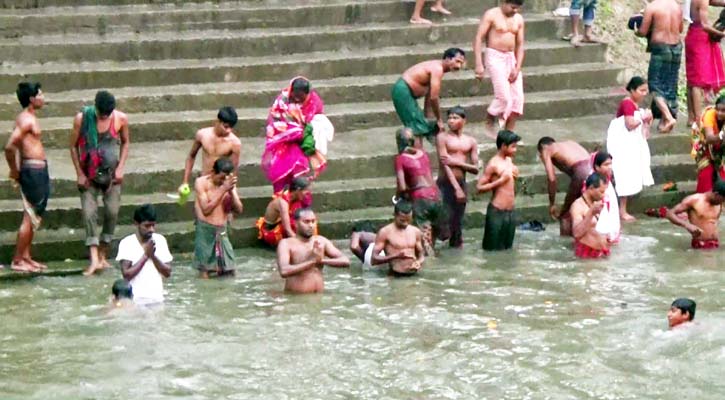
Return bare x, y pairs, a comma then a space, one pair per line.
322, 131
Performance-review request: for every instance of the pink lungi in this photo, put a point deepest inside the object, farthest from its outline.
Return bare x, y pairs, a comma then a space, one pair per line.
508, 96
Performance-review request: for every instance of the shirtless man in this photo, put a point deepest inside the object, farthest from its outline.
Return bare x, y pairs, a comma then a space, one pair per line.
703, 211
500, 177
402, 243
216, 200
424, 79
300, 258
588, 242
415, 184
30, 171
362, 242
572, 159
277, 222
703, 58
216, 141
503, 30
662, 24
458, 154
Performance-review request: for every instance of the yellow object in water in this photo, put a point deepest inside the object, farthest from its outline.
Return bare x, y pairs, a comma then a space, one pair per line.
492, 324
184, 192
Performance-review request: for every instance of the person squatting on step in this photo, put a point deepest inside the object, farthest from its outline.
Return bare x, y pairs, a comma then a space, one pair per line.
278, 221
99, 147
662, 25
28, 167
503, 30
588, 242
703, 212
300, 259
424, 79
216, 141
457, 154
216, 201
499, 177
572, 159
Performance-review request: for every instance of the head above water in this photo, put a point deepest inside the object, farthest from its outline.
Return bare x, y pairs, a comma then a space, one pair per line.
29, 93
105, 104
543, 142
300, 88
305, 222
506, 141
404, 139
454, 59
402, 214
144, 218
121, 290
226, 120
595, 186
682, 310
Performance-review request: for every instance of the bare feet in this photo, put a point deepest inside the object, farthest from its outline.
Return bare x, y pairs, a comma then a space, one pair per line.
22, 266
440, 9
104, 264
420, 21
92, 269
575, 40
489, 129
203, 275
37, 265
626, 217
590, 39
666, 127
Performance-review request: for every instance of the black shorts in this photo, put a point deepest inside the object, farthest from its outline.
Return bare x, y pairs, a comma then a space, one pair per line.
35, 184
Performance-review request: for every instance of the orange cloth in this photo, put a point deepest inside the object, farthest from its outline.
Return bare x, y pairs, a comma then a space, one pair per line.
271, 237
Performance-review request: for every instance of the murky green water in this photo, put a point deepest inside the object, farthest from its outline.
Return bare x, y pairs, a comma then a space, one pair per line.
533, 324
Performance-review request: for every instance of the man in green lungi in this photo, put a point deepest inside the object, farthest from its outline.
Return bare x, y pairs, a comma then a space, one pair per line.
424, 79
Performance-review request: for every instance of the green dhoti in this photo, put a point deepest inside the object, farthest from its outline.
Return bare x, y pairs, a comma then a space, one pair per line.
212, 249
500, 229
409, 112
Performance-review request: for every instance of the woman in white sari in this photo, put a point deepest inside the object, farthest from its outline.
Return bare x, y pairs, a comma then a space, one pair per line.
627, 143
608, 223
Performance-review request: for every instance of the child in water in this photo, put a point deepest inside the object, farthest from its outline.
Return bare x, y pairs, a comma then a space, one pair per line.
122, 294
682, 312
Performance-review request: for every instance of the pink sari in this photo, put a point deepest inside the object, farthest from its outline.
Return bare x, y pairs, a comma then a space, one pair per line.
283, 158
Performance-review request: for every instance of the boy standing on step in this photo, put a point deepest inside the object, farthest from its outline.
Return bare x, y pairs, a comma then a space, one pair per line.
503, 30
30, 172
99, 149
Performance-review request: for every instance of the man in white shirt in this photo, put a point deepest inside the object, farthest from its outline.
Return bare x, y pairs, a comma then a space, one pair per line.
145, 258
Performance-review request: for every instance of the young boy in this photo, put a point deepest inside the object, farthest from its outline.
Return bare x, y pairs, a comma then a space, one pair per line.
500, 177
122, 294
681, 312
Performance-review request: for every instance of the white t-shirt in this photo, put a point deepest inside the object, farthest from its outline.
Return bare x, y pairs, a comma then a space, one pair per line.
147, 285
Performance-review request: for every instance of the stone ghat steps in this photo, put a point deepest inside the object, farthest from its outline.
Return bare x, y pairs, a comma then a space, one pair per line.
64, 243
346, 117
195, 44
158, 166
77, 76
244, 95
177, 16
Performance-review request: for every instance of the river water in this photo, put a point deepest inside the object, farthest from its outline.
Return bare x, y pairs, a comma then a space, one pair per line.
529, 324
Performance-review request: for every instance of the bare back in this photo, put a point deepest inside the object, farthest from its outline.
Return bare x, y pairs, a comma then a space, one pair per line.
419, 76
564, 155
214, 147
667, 22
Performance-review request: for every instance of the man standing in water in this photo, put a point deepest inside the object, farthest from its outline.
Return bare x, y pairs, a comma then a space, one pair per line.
216, 200
703, 212
662, 25
300, 259
402, 243
458, 154
99, 148
500, 177
588, 242
503, 30
572, 159
30, 171
216, 141
424, 79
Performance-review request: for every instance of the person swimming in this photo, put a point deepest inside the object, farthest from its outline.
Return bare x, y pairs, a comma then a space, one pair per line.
682, 311
122, 294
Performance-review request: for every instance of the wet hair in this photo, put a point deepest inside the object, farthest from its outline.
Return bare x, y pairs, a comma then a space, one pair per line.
686, 306
721, 99
122, 289
25, 91
719, 187
298, 212
301, 85
544, 141
363, 226
457, 110
227, 115
299, 183
453, 52
601, 157
516, 2
105, 102
402, 140
145, 213
635, 82
594, 180
224, 165
403, 207
506, 137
